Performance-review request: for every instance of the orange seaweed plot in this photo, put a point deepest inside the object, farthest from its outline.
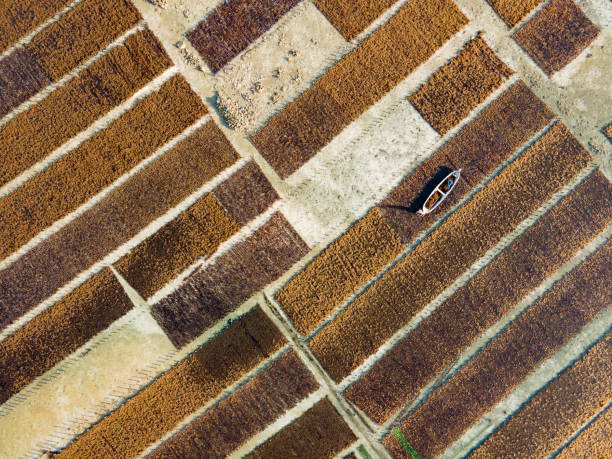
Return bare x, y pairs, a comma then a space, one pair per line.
36, 132
118, 217
530, 339
192, 383
352, 18
319, 432
356, 82
465, 236
559, 410
556, 35
512, 11
455, 324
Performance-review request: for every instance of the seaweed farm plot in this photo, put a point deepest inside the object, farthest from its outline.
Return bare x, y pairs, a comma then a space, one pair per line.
359, 80
529, 340
390, 302
556, 35
375, 240
352, 18
440, 338
59, 48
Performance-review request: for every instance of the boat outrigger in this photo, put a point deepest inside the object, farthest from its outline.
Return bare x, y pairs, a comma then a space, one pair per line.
440, 192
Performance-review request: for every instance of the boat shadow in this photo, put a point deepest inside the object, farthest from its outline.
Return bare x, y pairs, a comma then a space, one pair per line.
418, 202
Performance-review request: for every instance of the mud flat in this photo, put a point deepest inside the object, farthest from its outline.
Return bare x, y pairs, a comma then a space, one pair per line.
245, 412
113, 221
68, 110
456, 323
556, 35
530, 340
560, 409
465, 236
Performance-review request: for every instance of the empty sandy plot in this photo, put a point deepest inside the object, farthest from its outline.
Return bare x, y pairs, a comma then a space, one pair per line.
221, 287
232, 26
479, 304
556, 35
352, 18
512, 11
18, 17
594, 441
464, 237
319, 432
247, 411
359, 80
478, 149
59, 331
338, 271
458, 87
96, 163
529, 340
246, 194
113, 221
541, 426
195, 233
35, 133
148, 415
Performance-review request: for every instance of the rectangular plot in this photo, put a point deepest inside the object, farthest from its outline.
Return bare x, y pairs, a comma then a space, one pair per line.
19, 17
81, 33
185, 388
113, 221
485, 299
459, 86
20, 78
233, 26
96, 163
512, 11
464, 237
221, 287
530, 339
58, 331
247, 411
246, 194
543, 424
352, 18
478, 149
338, 271
594, 440
359, 80
195, 233
319, 432
608, 132
556, 35
35, 133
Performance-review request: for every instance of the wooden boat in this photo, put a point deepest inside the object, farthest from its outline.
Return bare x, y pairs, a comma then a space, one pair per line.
440, 193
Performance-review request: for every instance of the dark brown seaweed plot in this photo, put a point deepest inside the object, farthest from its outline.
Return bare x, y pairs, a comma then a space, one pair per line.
356, 82
68, 110
561, 408
459, 86
529, 340
96, 163
512, 11
59, 331
113, 221
464, 237
221, 287
319, 432
19, 17
352, 18
247, 411
338, 271
478, 149
62, 46
232, 26
455, 324
157, 409
556, 35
